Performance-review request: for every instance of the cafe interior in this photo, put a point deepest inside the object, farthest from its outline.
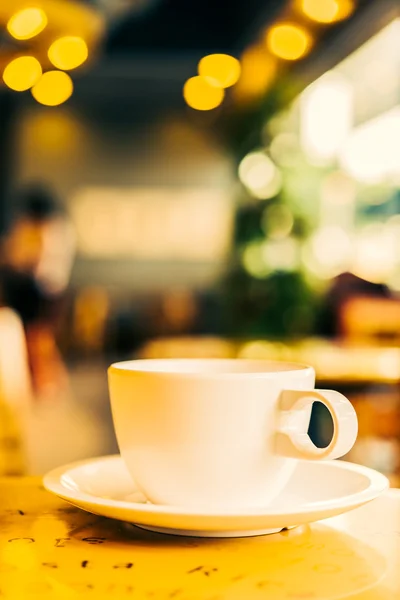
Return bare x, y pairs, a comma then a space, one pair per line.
201, 179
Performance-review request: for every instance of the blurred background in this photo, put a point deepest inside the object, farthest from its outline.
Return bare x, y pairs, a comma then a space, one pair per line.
203, 179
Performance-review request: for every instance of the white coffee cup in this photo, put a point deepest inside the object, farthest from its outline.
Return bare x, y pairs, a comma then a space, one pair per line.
219, 434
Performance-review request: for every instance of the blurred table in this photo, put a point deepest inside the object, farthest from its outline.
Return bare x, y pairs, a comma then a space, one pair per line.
333, 362
49, 549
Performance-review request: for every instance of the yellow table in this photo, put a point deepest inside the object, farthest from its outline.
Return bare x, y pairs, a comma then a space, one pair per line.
51, 550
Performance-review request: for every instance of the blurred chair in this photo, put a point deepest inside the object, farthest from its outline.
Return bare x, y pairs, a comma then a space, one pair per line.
367, 318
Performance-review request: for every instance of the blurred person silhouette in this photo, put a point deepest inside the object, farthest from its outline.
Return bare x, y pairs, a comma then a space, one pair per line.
36, 261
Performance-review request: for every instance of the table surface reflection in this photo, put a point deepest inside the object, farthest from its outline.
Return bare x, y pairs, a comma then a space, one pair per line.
50, 549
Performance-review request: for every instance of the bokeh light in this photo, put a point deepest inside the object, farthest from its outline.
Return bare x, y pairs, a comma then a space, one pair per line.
262, 258
27, 23
22, 73
375, 253
260, 175
327, 11
346, 8
200, 94
326, 117
285, 149
289, 41
371, 152
282, 255
277, 221
254, 260
329, 252
53, 88
222, 69
258, 73
68, 52
322, 11
337, 189
256, 170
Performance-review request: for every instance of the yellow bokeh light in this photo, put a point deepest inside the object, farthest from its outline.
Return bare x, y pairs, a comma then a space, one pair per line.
53, 88
200, 94
258, 73
22, 73
327, 11
322, 11
68, 52
27, 23
346, 8
289, 41
222, 69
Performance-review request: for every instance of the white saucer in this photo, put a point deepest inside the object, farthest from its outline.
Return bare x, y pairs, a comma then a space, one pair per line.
317, 490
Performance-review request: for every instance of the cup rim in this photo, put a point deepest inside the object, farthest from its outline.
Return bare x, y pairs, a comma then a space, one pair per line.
255, 368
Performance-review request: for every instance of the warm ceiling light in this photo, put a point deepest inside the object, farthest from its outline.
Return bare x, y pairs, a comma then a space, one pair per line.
346, 8
327, 11
27, 23
222, 69
258, 73
200, 94
68, 52
323, 11
289, 41
22, 73
53, 88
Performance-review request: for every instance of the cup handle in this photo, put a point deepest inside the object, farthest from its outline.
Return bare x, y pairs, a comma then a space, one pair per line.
295, 408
